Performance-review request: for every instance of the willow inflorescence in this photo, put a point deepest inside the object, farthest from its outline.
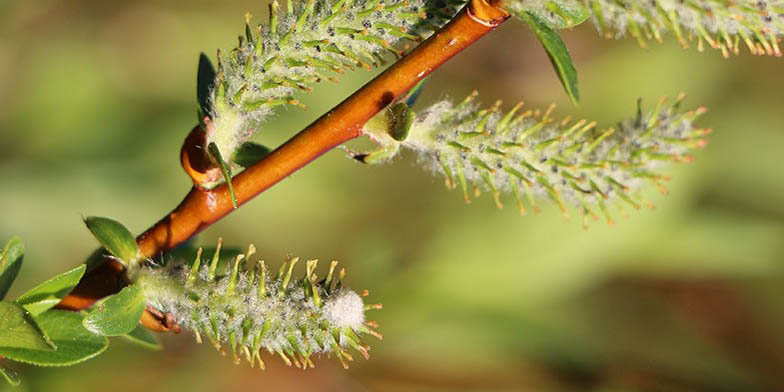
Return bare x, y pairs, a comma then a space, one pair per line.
308, 42
250, 309
720, 24
534, 156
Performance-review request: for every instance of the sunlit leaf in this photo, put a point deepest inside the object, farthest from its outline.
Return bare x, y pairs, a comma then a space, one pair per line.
9, 375
115, 237
559, 54
118, 314
10, 264
74, 343
564, 16
48, 294
18, 329
141, 336
225, 170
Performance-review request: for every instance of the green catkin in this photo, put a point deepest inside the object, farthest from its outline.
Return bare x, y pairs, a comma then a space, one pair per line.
531, 155
248, 310
303, 43
719, 24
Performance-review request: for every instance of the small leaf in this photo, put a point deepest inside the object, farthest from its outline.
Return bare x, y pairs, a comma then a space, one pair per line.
225, 170
401, 120
115, 237
141, 336
559, 54
570, 16
19, 329
10, 264
97, 258
9, 375
74, 343
118, 314
381, 155
48, 294
205, 79
557, 15
249, 153
412, 95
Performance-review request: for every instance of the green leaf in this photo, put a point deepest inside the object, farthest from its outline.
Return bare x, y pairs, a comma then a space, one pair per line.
10, 264
141, 336
18, 329
205, 79
249, 153
48, 294
401, 118
115, 237
557, 15
118, 314
9, 375
412, 95
225, 170
74, 343
98, 257
570, 15
559, 55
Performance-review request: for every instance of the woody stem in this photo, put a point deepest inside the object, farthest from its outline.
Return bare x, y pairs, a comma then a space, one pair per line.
201, 208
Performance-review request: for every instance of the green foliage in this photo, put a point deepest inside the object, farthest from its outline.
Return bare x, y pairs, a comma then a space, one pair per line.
32, 333
142, 337
49, 293
74, 343
18, 329
9, 375
225, 168
556, 14
115, 238
10, 263
118, 314
205, 78
249, 153
556, 50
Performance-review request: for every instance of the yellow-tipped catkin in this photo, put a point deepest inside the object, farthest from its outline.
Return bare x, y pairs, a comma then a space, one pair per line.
719, 24
532, 155
246, 309
303, 43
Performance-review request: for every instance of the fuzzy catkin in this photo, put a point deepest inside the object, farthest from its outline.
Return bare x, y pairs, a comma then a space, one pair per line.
313, 41
249, 310
723, 25
533, 156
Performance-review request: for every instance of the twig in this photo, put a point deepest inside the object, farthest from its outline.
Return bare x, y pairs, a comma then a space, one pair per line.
201, 208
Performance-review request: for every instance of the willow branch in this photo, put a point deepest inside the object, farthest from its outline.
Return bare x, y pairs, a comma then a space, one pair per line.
201, 208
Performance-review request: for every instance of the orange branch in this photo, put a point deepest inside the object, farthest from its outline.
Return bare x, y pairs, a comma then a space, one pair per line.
201, 208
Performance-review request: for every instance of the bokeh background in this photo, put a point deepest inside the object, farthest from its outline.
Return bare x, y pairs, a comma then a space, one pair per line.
96, 98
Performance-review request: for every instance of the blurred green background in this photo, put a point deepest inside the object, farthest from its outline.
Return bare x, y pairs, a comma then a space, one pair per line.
96, 98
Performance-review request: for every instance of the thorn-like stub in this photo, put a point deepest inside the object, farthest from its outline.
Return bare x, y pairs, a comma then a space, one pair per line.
157, 321
195, 158
487, 13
